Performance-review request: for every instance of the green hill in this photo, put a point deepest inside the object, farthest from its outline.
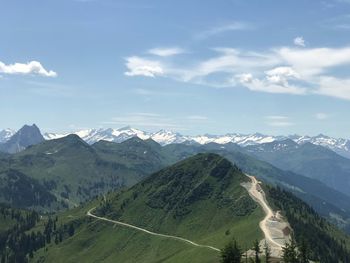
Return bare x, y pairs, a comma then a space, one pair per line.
72, 170
200, 199
333, 205
144, 156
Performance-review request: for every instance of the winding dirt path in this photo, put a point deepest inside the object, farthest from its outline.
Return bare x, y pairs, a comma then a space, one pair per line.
89, 213
273, 224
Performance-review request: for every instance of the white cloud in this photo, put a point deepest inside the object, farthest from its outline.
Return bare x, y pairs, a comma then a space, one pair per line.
283, 70
310, 62
166, 52
321, 116
276, 117
197, 118
233, 26
138, 66
150, 120
30, 68
334, 87
278, 121
299, 41
280, 124
144, 119
270, 84
280, 76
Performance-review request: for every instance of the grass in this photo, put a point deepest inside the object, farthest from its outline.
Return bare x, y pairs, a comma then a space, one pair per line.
208, 220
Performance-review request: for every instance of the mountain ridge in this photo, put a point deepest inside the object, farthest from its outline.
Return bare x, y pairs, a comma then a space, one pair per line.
165, 137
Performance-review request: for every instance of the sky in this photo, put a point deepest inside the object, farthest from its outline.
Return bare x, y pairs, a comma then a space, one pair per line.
192, 66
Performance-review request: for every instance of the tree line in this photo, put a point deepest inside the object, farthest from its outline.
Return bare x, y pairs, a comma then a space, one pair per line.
18, 243
292, 253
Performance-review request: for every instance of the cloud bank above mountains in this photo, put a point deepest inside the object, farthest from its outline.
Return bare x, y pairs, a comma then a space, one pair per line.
286, 70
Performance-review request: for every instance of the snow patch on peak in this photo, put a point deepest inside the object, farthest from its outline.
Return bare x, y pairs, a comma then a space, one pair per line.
164, 137
6, 134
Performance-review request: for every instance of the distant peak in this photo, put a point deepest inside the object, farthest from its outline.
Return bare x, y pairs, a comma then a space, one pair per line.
321, 136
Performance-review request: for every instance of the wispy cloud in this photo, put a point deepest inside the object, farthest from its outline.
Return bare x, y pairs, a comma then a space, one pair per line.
30, 68
233, 26
339, 23
145, 120
283, 70
197, 118
166, 52
150, 92
276, 117
321, 116
50, 89
278, 121
150, 120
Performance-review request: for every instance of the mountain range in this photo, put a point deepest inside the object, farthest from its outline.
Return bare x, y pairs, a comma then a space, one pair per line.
176, 186
72, 171
163, 137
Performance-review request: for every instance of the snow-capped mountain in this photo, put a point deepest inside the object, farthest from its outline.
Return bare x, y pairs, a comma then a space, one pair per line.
338, 145
163, 137
6, 134
240, 139
94, 135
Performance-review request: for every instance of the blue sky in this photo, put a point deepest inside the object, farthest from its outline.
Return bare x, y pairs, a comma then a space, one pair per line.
275, 67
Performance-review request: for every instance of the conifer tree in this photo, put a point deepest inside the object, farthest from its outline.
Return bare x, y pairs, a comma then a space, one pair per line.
304, 252
290, 252
257, 251
267, 252
231, 253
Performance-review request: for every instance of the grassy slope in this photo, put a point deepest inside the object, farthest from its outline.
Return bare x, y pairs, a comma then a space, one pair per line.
71, 169
329, 203
144, 156
199, 215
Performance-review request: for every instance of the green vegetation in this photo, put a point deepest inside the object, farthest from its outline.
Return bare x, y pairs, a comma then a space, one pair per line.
322, 241
23, 232
331, 204
231, 253
72, 172
68, 171
15, 244
200, 199
23, 191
